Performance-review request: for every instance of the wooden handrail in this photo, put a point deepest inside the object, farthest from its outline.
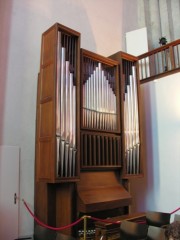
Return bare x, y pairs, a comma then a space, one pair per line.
159, 62
159, 49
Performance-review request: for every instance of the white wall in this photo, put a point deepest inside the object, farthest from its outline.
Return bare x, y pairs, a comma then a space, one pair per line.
161, 19
136, 42
102, 24
159, 190
22, 22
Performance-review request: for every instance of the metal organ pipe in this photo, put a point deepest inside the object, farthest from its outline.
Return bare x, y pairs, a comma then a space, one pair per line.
66, 107
99, 99
131, 122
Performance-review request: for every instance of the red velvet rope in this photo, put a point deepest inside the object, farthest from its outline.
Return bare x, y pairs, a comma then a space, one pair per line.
47, 226
175, 210
76, 222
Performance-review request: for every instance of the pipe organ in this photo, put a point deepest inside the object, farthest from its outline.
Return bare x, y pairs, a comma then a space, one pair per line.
88, 130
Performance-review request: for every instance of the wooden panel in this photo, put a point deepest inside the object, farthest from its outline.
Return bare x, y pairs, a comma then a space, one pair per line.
41, 201
45, 132
45, 203
99, 191
99, 199
47, 124
48, 46
65, 206
44, 163
98, 178
47, 85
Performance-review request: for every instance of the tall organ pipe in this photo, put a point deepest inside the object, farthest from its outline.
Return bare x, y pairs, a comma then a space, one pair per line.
131, 122
65, 108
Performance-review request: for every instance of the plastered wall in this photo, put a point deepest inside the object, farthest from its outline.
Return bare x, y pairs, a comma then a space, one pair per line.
102, 26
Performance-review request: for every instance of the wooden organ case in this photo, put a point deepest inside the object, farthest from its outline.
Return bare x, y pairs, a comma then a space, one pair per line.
132, 151
87, 131
57, 130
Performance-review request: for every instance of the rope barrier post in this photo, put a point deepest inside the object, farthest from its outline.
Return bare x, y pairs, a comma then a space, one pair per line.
85, 226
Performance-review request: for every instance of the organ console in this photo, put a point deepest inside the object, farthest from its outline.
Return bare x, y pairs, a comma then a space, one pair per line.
88, 130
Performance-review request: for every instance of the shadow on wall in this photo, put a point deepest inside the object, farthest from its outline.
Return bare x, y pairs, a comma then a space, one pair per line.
5, 24
144, 190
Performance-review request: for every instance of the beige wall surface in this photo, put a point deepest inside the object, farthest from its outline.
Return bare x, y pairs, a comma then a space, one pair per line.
159, 190
102, 25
